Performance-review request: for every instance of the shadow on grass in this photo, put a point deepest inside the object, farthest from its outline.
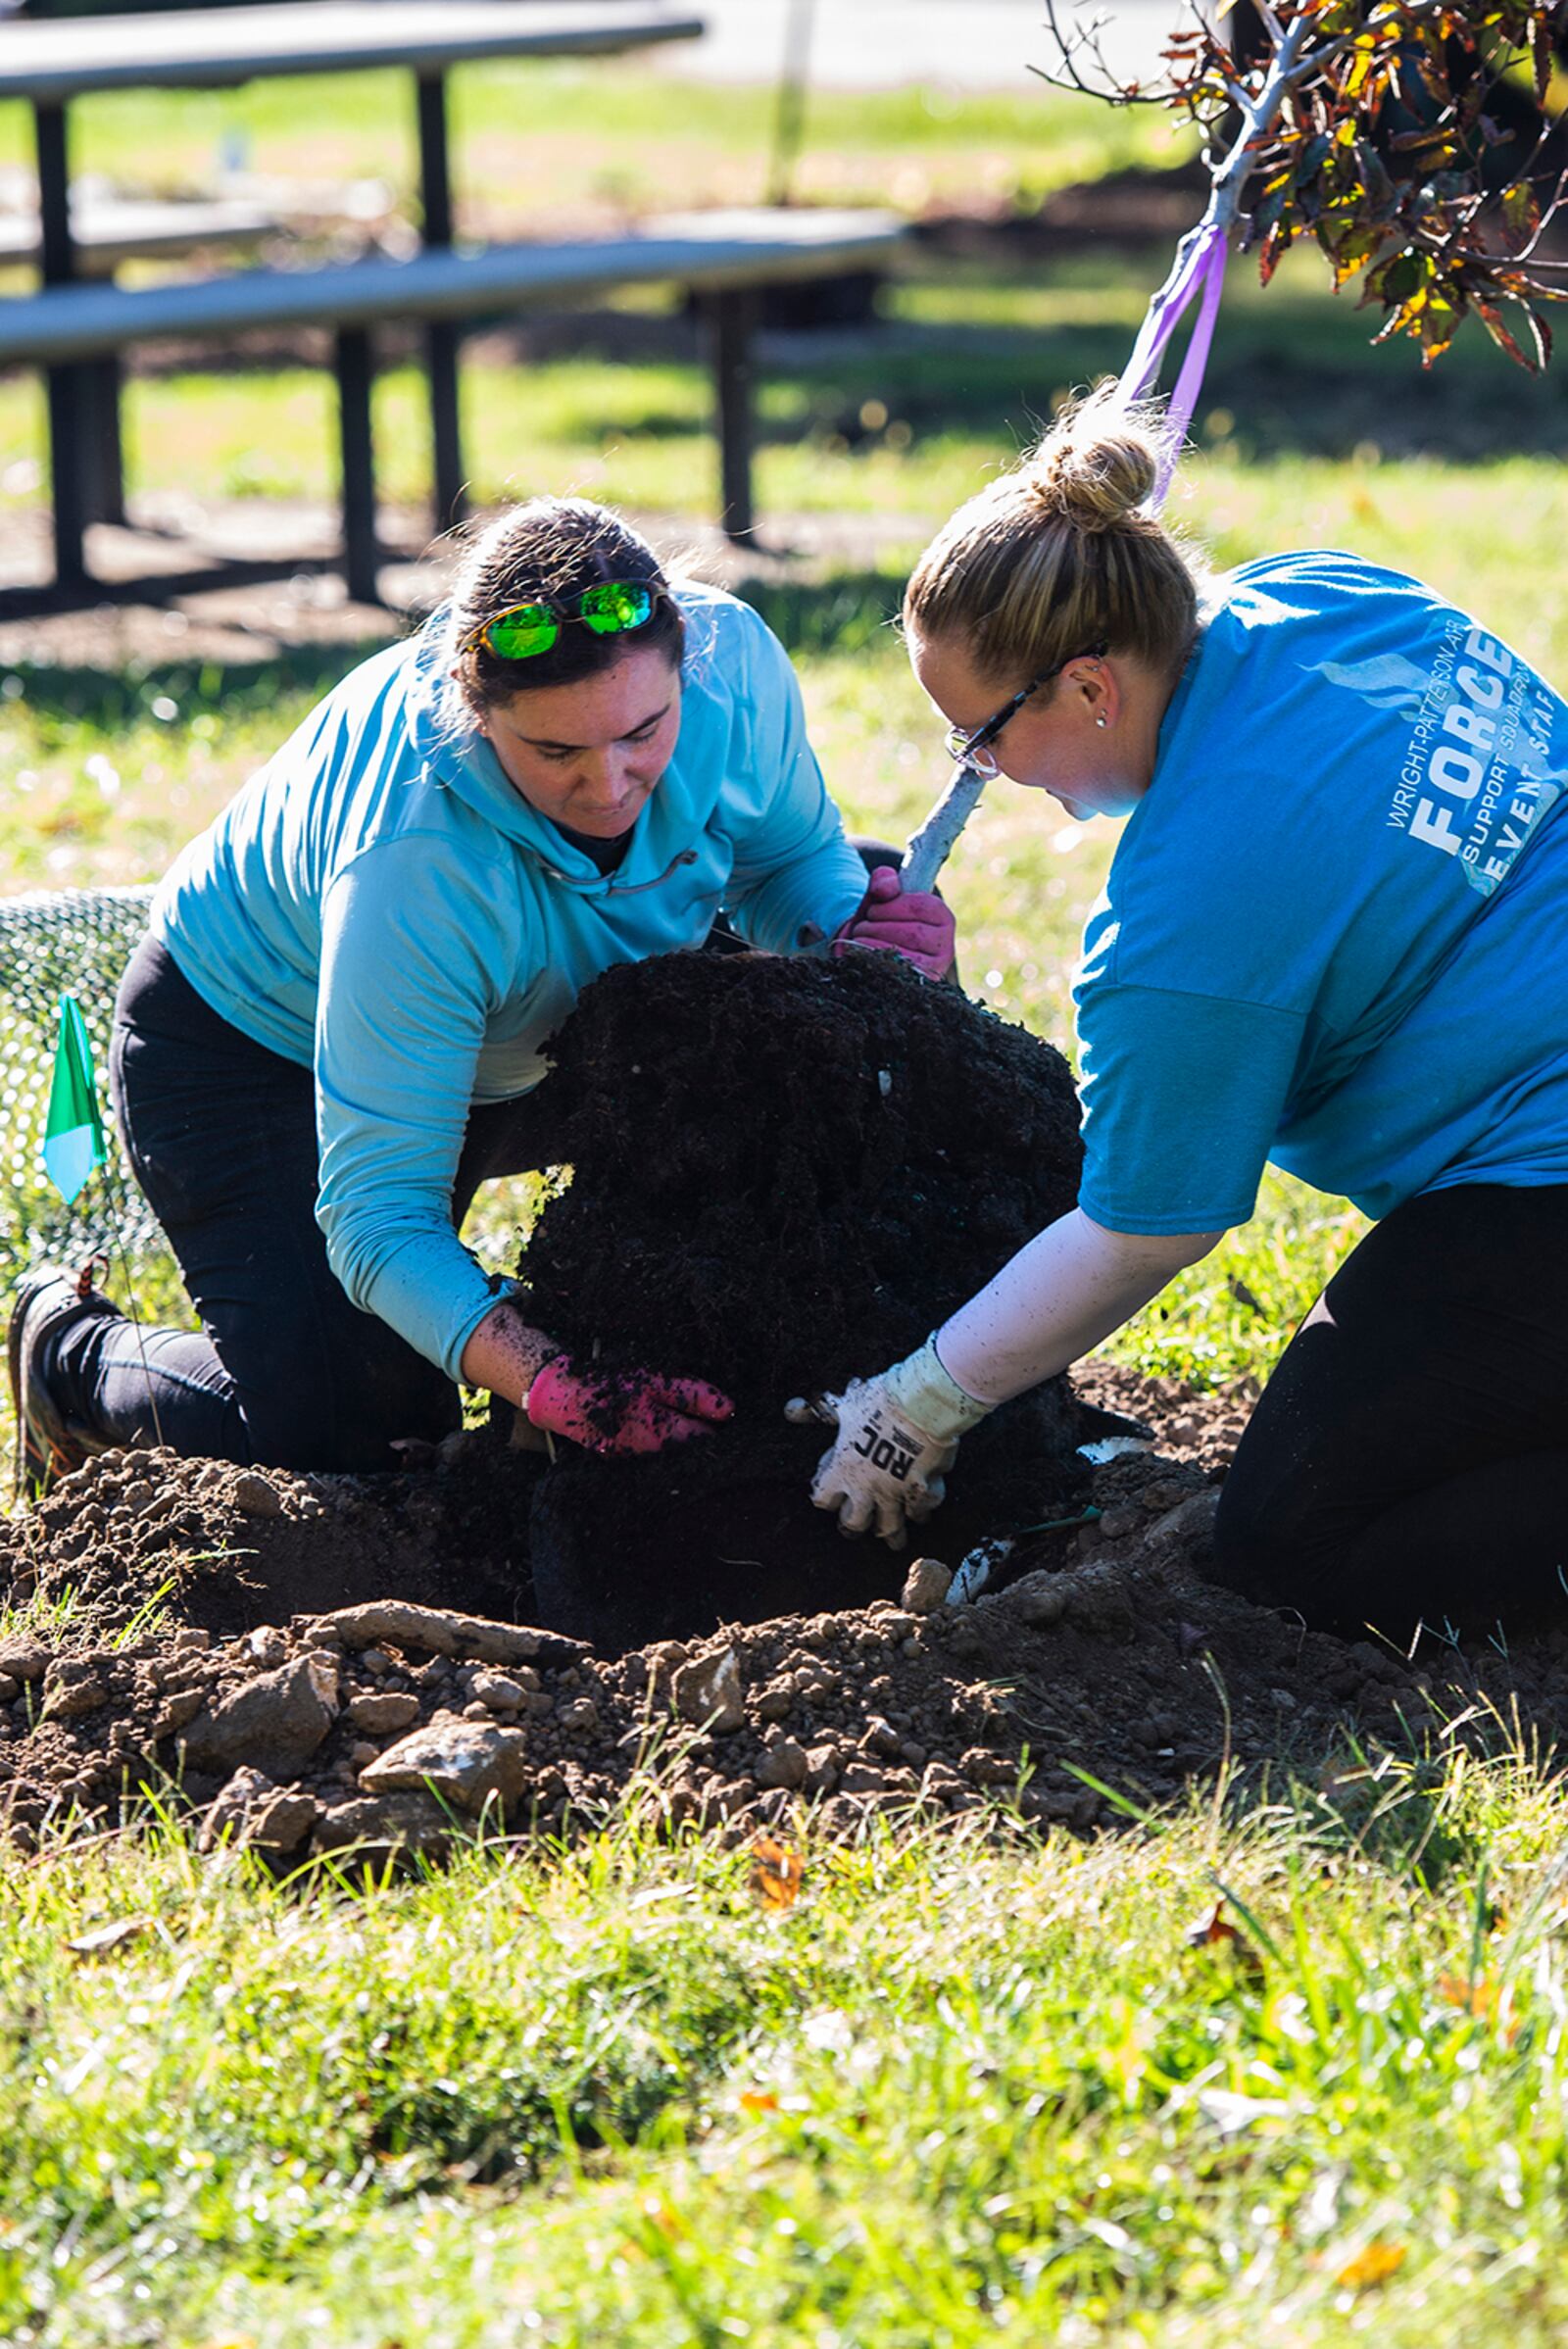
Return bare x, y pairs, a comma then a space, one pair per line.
108, 698
1296, 373
849, 613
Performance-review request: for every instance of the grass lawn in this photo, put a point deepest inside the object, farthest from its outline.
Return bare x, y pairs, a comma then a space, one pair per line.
967, 2091
970, 2089
532, 142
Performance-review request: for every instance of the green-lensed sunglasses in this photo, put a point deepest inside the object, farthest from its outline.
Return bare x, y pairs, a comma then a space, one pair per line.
612, 607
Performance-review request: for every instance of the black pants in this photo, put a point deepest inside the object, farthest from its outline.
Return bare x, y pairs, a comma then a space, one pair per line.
1408, 1461
285, 1372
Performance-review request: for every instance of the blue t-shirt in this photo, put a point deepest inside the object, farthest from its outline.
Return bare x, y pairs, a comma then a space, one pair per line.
1334, 933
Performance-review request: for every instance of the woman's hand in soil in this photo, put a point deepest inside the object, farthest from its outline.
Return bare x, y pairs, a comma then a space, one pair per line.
637, 1411
916, 925
896, 1437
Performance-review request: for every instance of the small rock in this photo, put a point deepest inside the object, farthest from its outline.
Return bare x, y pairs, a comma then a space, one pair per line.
499, 1690
363, 1752
10, 1690
442, 1632
880, 1738
383, 1714
785, 1766
383, 1827
775, 1703
1188, 1525
861, 1779
982, 1768
660, 1662
926, 1587
468, 1763
1097, 1602
1039, 1598
253, 1810
176, 1710
821, 1770
268, 1644
1065, 1808
256, 1495
582, 1714
71, 1690
24, 1659
276, 1722
709, 1691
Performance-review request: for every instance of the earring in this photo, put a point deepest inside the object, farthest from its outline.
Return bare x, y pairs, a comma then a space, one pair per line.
1100, 719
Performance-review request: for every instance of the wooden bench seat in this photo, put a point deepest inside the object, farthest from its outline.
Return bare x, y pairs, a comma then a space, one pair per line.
725, 256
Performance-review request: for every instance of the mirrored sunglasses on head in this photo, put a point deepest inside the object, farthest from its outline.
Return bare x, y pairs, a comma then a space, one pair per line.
611, 608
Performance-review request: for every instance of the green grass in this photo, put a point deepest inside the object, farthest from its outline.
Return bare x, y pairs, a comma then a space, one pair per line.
965, 2091
534, 142
969, 2091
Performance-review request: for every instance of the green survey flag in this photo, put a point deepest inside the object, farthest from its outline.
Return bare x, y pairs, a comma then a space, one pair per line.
74, 1137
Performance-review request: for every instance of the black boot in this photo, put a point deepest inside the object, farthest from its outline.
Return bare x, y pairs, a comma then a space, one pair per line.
49, 1445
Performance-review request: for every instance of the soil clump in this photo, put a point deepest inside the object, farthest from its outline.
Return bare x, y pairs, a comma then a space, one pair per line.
786, 1173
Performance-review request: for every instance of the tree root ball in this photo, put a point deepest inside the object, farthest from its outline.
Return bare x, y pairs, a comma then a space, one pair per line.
786, 1173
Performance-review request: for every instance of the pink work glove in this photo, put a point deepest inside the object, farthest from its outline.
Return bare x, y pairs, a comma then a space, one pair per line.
917, 925
635, 1412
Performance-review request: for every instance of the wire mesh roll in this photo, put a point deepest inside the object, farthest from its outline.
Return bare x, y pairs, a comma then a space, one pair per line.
52, 943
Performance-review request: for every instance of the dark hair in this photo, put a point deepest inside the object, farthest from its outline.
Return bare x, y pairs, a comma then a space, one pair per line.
552, 548
1062, 553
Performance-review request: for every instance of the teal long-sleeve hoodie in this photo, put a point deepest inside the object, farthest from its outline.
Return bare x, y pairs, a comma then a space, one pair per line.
380, 904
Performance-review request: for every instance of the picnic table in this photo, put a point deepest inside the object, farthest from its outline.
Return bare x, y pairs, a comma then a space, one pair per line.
49, 62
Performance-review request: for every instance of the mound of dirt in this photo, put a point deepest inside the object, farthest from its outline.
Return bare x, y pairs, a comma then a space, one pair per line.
786, 1172
299, 1660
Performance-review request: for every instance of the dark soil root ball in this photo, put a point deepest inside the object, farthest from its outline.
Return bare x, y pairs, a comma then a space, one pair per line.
786, 1172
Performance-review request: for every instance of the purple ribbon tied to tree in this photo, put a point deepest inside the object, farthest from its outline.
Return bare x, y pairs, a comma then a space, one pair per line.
1198, 277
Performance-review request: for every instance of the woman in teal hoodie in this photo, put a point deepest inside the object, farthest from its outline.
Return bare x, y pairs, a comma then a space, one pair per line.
331, 1035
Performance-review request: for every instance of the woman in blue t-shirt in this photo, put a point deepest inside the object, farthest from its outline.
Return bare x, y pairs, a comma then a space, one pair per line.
1334, 935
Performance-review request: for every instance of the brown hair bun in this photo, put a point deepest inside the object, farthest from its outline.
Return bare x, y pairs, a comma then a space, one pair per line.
1096, 472
1065, 551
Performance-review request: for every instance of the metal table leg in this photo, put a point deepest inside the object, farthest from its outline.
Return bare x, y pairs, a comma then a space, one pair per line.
71, 464
362, 555
733, 318
443, 336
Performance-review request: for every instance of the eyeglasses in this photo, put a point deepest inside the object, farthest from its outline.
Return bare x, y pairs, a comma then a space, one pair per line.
612, 607
974, 750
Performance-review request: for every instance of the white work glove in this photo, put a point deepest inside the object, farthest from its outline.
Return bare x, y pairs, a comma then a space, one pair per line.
896, 1437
